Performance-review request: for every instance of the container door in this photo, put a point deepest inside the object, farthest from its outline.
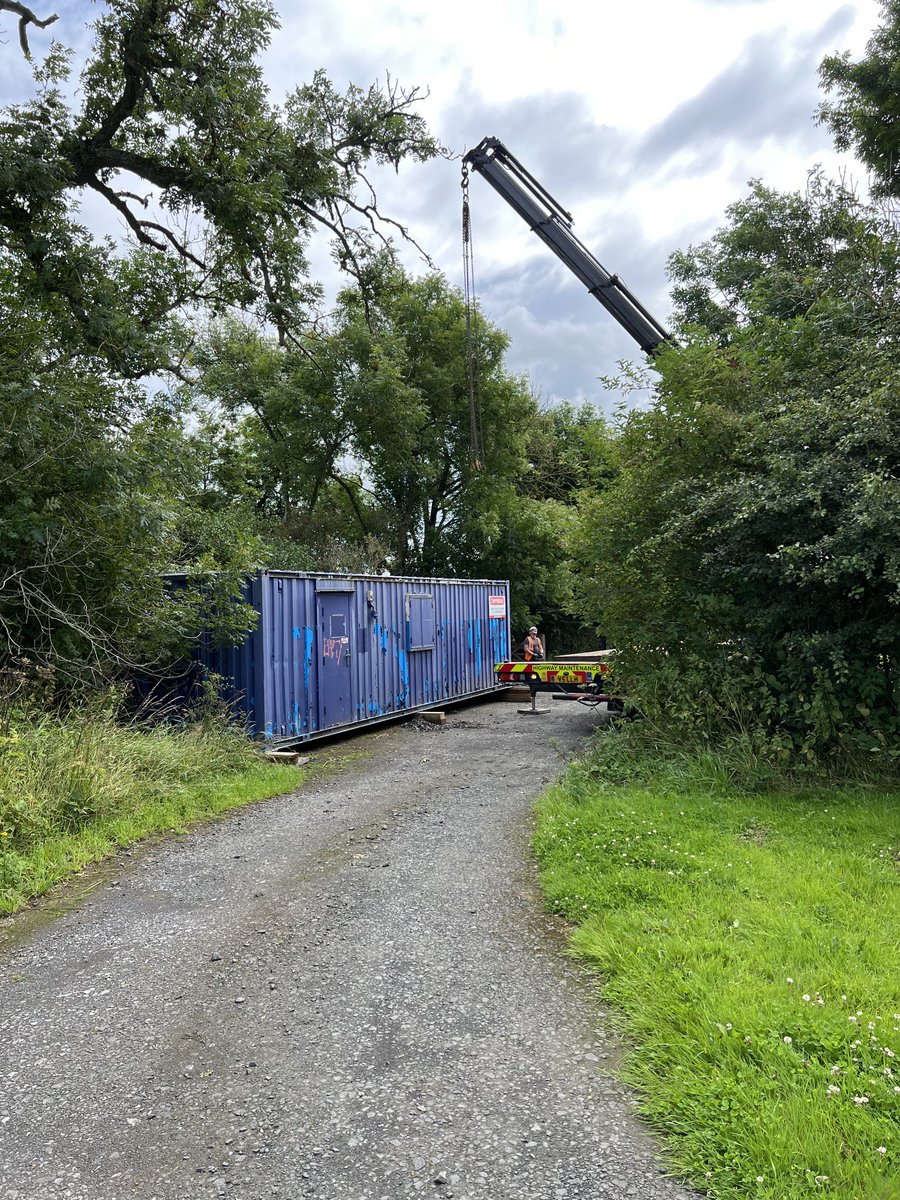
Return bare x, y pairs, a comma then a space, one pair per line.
335, 699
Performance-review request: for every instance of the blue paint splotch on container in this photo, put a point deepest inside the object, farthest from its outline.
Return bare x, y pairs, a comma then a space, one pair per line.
372, 647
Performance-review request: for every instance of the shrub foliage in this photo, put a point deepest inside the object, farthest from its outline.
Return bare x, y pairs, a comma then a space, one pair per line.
750, 563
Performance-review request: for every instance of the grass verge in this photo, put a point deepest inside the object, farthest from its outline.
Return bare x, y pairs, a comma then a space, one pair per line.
750, 943
73, 791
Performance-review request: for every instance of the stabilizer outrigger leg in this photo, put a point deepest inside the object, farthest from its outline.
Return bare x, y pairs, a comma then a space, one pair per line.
534, 711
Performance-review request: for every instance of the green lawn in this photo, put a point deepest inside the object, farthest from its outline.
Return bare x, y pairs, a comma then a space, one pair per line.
751, 945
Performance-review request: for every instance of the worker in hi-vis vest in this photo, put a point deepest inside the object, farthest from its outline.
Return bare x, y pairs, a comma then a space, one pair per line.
534, 647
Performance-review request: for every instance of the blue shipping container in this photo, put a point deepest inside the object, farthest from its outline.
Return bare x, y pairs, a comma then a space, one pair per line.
334, 651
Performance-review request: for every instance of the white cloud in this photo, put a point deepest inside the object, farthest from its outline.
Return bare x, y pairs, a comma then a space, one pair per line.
645, 120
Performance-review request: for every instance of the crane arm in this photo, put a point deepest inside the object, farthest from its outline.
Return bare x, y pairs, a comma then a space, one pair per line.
553, 225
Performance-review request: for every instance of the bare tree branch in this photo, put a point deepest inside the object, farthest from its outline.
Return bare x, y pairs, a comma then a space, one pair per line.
375, 217
26, 18
140, 228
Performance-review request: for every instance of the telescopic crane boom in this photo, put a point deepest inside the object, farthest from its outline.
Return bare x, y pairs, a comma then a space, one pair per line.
553, 225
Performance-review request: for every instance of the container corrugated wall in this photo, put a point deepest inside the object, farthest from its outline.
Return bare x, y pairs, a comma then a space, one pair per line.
334, 651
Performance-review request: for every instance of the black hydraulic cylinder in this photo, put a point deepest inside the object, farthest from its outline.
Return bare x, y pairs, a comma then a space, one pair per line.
553, 225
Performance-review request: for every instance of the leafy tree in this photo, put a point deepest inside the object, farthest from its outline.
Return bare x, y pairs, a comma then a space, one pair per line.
865, 117
88, 513
286, 423
527, 541
220, 192
770, 259
570, 457
356, 449
413, 419
367, 421
172, 105
276, 441
569, 450
749, 544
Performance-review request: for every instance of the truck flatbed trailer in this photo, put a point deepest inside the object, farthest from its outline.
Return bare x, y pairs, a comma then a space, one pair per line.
587, 682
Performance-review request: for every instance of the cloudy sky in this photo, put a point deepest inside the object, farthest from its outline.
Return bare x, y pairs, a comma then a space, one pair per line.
645, 120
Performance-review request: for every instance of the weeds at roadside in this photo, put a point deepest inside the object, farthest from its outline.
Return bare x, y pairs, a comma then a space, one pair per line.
74, 789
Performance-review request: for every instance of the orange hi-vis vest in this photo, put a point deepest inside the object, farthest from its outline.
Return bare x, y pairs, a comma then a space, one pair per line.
533, 646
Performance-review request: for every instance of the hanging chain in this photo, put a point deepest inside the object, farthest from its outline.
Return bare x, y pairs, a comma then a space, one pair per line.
476, 448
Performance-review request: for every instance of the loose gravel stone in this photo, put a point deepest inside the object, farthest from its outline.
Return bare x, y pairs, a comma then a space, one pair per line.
427, 1034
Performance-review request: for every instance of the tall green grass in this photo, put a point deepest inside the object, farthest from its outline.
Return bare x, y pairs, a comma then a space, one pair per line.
751, 943
73, 789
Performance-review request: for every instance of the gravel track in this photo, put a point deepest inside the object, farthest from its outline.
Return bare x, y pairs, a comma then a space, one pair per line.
348, 993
